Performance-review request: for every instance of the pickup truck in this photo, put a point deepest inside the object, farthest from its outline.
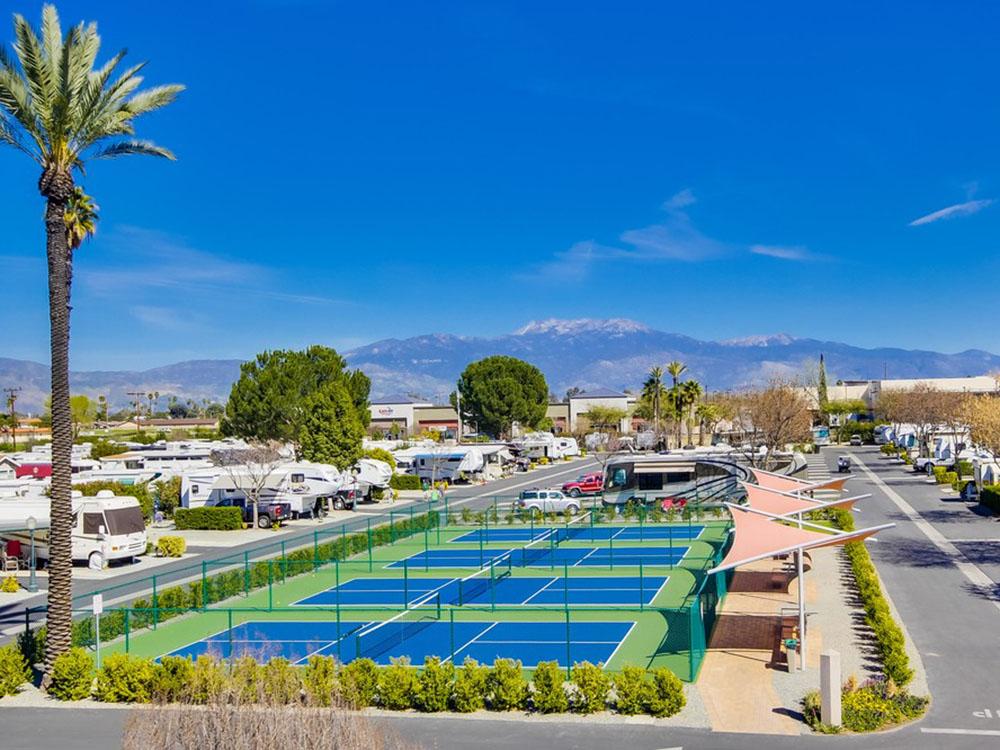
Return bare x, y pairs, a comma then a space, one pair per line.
588, 484
269, 513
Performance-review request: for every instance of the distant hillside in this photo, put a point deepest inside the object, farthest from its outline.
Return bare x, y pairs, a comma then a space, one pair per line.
585, 353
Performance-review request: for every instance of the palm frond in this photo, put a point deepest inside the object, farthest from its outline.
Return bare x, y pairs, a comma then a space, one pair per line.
9, 136
152, 99
36, 73
124, 148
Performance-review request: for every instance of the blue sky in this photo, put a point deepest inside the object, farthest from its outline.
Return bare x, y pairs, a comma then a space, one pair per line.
354, 171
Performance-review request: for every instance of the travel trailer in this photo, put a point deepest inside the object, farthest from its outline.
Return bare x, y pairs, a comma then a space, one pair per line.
537, 445
448, 463
302, 485
105, 527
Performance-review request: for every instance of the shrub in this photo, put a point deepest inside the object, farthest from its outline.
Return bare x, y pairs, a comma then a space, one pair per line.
990, 497
878, 704
591, 685
72, 675
939, 472
506, 685
124, 679
433, 687
31, 644
549, 695
319, 679
281, 682
666, 696
100, 448
220, 519
14, 670
405, 482
168, 495
171, 546
470, 687
9, 585
244, 684
950, 477
358, 681
208, 679
171, 681
632, 690
396, 684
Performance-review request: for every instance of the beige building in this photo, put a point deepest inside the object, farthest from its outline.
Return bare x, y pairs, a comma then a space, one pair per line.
869, 390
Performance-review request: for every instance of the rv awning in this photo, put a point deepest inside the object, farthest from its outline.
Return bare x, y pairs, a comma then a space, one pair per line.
789, 484
784, 503
759, 535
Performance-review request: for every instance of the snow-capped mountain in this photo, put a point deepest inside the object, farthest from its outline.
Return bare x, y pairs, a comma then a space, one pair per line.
586, 353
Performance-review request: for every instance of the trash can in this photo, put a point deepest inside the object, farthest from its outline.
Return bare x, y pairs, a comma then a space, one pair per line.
792, 653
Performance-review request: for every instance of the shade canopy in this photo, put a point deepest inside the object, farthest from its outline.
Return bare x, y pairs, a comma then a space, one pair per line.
786, 503
789, 484
758, 535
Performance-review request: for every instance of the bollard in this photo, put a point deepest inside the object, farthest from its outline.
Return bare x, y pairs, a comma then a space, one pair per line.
829, 687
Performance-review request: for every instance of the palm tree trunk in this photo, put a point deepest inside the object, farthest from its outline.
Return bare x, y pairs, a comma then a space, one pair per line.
60, 617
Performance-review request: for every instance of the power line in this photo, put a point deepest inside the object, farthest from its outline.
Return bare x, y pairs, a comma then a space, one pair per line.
139, 395
11, 400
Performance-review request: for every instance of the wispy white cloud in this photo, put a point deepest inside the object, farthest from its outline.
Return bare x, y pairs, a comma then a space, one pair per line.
952, 212
679, 200
796, 253
162, 318
144, 259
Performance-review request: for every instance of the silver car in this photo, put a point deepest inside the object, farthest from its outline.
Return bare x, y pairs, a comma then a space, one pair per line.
548, 501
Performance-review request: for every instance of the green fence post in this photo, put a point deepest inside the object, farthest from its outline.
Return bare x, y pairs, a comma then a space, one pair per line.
246, 574
611, 551
569, 649
339, 639
480, 531
566, 587
392, 527
552, 551
229, 631
437, 526
270, 586
316, 549
406, 584
127, 612
156, 605
451, 633
642, 524
343, 540
204, 584
284, 562
369, 545
642, 589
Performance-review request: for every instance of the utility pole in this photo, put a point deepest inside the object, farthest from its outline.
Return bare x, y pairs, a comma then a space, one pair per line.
137, 399
11, 400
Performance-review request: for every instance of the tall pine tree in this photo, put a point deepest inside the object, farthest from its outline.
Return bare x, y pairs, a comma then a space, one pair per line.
821, 387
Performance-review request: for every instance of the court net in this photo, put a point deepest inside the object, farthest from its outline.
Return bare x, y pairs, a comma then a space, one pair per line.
473, 586
373, 641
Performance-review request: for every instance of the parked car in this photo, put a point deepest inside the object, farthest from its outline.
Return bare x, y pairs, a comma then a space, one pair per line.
856, 439
587, 484
346, 499
268, 513
547, 501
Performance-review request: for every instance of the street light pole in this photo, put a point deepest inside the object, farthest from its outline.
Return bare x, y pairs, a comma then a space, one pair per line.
32, 583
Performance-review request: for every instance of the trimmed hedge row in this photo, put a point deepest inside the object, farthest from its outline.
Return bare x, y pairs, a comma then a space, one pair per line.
175, 600
888, 634
437, 686
866, 708
218, 519
405, 482
990, 497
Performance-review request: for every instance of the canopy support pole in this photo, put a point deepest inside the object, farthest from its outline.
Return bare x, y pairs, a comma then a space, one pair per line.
802, 610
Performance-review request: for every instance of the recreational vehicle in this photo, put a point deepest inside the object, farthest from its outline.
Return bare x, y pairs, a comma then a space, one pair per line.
653, 479
105, 527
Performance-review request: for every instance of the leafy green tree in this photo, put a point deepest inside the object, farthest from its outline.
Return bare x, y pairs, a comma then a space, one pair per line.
654, 393
498, 391
331, 432
60, 110
269, 401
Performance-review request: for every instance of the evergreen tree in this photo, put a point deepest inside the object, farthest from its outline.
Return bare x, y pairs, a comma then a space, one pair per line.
821, 387
331, 431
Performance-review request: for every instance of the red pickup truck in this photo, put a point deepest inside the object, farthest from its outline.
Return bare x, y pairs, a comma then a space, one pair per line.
588, 484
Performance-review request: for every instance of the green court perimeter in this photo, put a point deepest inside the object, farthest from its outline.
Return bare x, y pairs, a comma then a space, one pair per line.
663, 633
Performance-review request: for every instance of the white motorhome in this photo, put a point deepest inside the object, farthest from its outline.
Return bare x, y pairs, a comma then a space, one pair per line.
105, 527
299, 484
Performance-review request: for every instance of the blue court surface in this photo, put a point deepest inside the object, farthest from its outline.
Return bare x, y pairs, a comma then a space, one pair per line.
530, 642
582, 590
524, 534
544, 557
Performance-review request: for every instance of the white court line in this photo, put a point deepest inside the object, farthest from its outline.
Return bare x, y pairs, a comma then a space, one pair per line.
974, 732
551, 581
972, 572
474, 639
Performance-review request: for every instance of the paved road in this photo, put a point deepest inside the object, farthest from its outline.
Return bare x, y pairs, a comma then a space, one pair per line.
134, 581
944, 586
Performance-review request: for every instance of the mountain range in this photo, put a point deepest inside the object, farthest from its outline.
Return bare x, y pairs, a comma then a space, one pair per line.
584, 353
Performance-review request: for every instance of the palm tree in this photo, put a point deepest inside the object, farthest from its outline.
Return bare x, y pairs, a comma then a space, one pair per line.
80, 217
653, 391
690, 394
675, 369
60, 110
